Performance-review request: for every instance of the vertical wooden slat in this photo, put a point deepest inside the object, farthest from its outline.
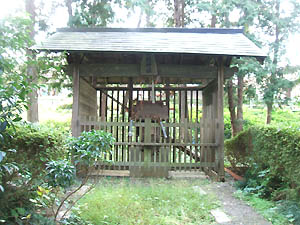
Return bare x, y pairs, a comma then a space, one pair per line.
117, 127
75, 106
130, 89
180, 107
197, 105
185, 104
220, 159
100, 103
191, 106
123, 127
105, 107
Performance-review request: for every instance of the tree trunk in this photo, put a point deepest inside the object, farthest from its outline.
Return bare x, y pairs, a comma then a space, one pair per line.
231, 107
239, 118
70, 12
269, 112
148, 22
33, 110
270, 101
176, 13
213, 21
179, 13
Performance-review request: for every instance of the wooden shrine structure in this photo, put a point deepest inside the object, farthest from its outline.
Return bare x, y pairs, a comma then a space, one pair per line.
158, 91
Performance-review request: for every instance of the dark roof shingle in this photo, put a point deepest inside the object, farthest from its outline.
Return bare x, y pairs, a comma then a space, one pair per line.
167, 40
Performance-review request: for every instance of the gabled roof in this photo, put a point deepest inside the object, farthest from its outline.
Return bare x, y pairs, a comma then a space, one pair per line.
230, 42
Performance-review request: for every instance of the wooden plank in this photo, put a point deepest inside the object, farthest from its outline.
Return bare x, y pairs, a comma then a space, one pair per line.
75, 106
166, 88
193, 165
220, 135
163, 70
165, 144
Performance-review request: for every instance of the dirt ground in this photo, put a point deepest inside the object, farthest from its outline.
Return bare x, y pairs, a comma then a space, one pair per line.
238, 211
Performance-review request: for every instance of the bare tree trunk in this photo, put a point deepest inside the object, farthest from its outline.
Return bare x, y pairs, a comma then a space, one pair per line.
176, 13
240, 118
269, 102
140, 19
182, 13
70, 12
269, 112
179, 13
231, 107
33, 110
213, 21
148, 23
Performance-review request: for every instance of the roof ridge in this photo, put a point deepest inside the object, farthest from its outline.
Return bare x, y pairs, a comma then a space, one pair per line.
159, 30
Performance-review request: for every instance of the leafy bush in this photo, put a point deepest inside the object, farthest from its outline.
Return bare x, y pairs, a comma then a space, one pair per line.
60, 173
58, 126
27, 149
273, 157
90, 147
64, 107
84, 151
34, 145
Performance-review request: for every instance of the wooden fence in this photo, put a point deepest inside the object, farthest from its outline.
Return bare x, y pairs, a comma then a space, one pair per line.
158, 147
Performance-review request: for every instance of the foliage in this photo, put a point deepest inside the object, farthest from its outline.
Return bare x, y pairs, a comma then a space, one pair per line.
28, 148
90, 147
273, 156
283, 118
148, 201
60, 173
267, 209
13, 82
58, 126
65, 106
73, 219
84, 151
92, 13
31, 140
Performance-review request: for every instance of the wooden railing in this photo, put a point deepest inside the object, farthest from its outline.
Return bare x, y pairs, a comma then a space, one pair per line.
178, 145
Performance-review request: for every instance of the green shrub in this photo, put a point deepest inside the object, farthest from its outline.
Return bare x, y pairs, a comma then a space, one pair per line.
90, 147
34, 145
273, 156
58, 126
64, 107
28, 148
60, 173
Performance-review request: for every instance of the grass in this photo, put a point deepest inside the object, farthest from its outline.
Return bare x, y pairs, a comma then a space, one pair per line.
267, 209
147, 201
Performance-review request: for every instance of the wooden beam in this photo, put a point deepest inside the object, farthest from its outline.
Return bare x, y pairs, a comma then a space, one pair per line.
220, 134
75, 106
167, 88
163, 70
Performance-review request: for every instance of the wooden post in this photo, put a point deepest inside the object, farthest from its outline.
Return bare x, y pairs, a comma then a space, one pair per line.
130, 87
220, 135
75, 107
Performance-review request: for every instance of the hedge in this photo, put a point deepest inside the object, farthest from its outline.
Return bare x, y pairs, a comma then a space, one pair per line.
272, 150
29, 147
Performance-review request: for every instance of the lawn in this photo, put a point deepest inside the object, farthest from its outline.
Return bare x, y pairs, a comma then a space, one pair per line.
147, 201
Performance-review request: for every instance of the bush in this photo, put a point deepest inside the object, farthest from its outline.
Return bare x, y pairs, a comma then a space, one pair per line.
58, 126
64, 107
90, 147
34, 145
28, 148
273, 157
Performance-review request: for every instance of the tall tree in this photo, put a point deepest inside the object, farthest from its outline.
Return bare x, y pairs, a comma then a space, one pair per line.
90, 13
277, 24
32, 112
146, 8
